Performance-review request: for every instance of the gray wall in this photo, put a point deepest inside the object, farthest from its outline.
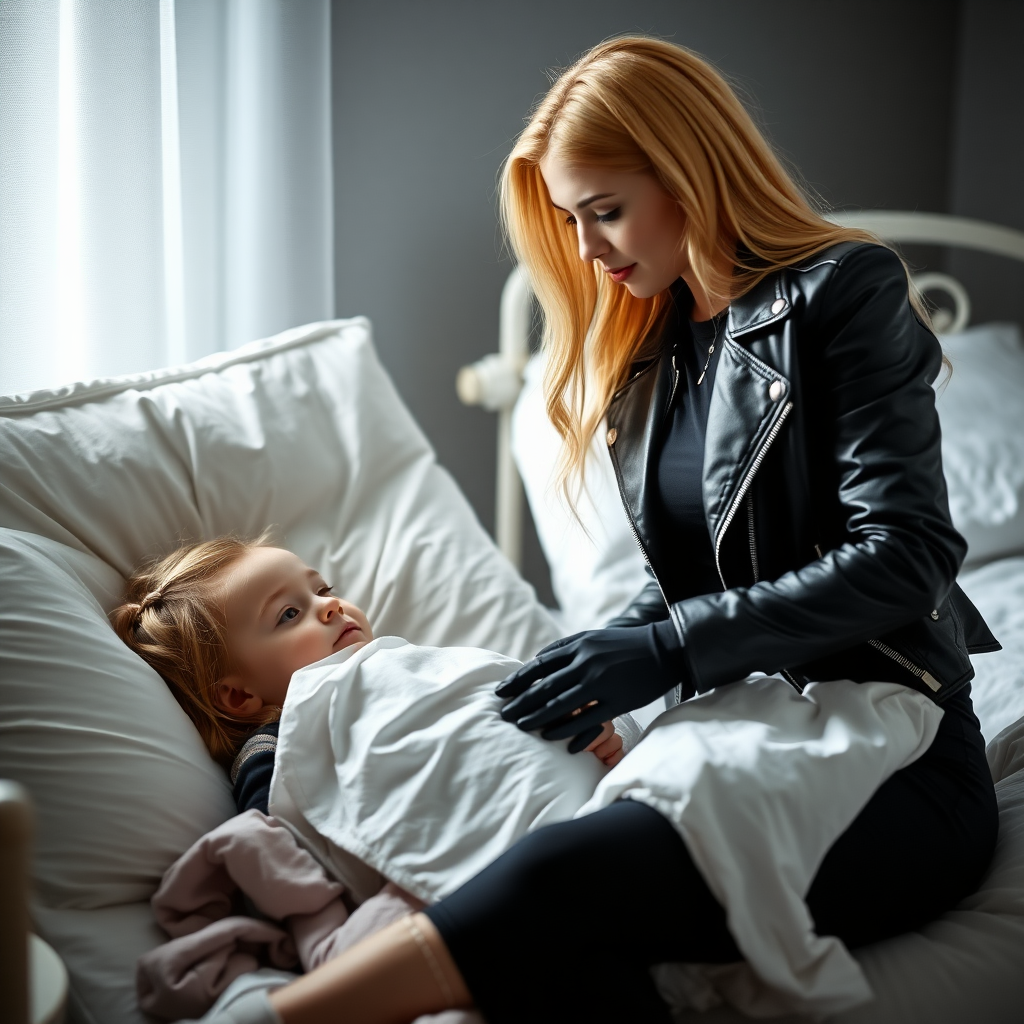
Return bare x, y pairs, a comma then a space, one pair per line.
427, 97
987, 166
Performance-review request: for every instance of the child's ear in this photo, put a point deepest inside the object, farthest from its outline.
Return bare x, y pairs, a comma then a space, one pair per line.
231, 696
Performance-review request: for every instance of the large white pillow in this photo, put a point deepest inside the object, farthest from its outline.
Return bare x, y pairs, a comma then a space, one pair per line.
304, 431
120, 778
981, 408
596, 564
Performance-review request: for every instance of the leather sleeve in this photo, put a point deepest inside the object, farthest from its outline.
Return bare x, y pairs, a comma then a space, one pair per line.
647, 606
900, 554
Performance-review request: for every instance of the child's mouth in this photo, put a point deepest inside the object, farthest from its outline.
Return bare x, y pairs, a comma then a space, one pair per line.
350, 628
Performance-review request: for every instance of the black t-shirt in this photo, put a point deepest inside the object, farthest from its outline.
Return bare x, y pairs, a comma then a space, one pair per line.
681, 458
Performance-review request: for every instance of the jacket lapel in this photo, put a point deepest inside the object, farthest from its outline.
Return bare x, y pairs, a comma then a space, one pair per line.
749, 398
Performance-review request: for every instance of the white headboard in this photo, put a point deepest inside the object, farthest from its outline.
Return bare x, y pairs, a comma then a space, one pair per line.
494, 382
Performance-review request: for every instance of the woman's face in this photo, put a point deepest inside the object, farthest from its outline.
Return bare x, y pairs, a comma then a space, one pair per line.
625, 222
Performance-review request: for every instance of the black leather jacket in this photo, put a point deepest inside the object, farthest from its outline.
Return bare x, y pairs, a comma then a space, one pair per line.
823, 486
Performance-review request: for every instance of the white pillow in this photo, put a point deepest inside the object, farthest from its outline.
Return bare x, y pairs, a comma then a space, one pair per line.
121, 780
596, 565
997, 589
304, 431
981, 409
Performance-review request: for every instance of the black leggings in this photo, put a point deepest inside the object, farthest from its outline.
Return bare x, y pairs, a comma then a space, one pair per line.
565, 926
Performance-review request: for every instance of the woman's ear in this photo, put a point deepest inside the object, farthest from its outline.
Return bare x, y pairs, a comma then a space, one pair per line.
231, 696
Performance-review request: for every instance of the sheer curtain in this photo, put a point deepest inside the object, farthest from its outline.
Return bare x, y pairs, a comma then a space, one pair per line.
165, 181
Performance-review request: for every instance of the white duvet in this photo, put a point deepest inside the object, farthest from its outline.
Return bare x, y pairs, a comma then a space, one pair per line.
395, 755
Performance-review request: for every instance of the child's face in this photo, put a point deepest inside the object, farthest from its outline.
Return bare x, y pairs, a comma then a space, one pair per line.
280, 617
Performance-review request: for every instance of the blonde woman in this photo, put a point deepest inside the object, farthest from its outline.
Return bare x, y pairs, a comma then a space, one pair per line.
763, 379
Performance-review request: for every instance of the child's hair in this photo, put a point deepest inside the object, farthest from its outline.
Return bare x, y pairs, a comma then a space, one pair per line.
173, 619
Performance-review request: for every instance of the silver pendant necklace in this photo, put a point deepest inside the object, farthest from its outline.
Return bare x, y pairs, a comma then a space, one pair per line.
711, 352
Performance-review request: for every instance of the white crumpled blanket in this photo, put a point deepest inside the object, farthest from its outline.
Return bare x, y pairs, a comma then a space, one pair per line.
760, 781
395, 756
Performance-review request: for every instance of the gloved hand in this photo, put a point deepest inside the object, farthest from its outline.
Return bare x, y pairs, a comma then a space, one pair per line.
604, 672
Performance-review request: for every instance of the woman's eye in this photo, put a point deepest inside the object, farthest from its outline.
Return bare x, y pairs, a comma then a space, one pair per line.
570, 220
288, 614
606, 218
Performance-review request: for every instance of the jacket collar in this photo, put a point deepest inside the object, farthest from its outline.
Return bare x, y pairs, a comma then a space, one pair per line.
764, 304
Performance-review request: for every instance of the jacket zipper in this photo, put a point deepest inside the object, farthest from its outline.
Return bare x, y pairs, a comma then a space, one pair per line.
745, 486
926, 677
751, 537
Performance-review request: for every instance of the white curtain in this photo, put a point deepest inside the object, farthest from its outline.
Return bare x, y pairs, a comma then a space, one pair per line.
165, 181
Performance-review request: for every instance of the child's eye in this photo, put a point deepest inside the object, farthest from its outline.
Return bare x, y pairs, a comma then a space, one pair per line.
288, 614
611, 215
324, 591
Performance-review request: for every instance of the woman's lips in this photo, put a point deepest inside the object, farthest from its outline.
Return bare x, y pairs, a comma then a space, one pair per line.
620, 275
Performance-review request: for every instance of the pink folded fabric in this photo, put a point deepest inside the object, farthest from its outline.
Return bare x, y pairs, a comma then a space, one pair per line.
184, 977
198, 904
199, 901
251, 853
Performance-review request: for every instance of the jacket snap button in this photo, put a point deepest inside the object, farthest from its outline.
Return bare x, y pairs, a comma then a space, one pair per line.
612, 434
778, 306
935, 613
775, 391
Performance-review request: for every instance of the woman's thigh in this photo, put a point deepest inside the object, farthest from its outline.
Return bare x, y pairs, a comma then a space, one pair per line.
921, 844
564, 926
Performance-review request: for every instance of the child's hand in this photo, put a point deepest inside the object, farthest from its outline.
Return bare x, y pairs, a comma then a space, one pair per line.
607, 748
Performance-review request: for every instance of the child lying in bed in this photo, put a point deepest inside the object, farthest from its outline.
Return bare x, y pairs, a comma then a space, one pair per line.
226, 623
432, 787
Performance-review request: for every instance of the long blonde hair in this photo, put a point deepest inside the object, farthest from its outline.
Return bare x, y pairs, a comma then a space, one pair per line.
637, 104
172, 617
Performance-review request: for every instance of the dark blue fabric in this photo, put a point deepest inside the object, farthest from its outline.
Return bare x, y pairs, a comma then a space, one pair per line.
252, 785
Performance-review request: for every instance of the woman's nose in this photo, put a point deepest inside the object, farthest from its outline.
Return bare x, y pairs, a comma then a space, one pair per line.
592, 244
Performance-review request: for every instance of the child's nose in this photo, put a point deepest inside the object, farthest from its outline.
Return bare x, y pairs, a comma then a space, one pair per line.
331, 606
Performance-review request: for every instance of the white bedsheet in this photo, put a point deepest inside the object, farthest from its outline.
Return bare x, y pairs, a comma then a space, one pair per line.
396, 755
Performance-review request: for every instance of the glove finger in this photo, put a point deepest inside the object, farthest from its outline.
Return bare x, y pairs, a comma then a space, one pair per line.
540, 694
578, 726
563, 642
551, 701
526, 675
584, 739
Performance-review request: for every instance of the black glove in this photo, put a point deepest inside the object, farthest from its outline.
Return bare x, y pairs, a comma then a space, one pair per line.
604, 672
